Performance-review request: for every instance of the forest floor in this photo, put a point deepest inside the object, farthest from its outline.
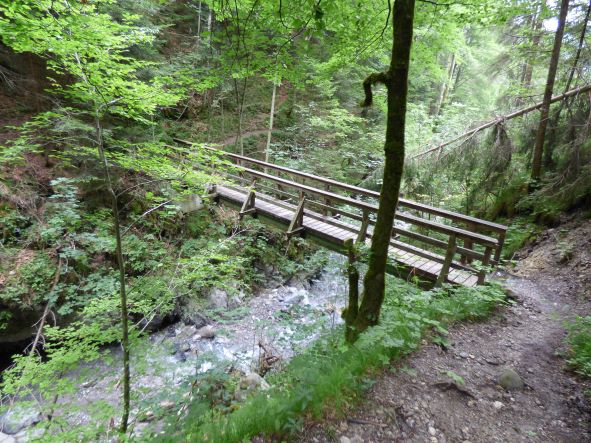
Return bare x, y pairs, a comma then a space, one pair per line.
417, 401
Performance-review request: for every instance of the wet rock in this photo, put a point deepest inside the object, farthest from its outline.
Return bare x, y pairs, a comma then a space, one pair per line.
293, 299
194, 319
166, 404
237, 300
206, 332
186, 333
510, 380
217, 299
15, 420
5, 438
147, 416
252, 381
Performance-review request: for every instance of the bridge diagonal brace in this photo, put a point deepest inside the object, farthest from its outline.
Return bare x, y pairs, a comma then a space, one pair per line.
297, 222
363, 229
249, 207
449, 255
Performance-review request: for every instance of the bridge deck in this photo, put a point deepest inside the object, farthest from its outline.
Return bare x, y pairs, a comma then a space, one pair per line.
336, 233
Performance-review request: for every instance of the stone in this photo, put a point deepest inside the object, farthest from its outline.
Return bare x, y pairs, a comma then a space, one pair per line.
357, 439
5, 438
196, 319
510, 380
432, 430
498, 405
236, 300
344, 439
217, 299
166, 404
253, 380
17, 419
207, 332
464, 354
186, 332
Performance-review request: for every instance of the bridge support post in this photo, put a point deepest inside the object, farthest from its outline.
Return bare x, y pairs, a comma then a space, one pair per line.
325, 211
468, 244
449, 255
297, 222
499, 248
485, 263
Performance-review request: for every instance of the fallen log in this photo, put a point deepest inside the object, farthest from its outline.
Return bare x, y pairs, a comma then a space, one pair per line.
497, 120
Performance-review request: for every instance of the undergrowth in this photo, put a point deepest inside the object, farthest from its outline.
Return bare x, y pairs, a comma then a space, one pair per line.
579, 342
330, 374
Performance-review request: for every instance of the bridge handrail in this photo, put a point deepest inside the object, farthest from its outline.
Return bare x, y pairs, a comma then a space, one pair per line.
439, 227
469, 220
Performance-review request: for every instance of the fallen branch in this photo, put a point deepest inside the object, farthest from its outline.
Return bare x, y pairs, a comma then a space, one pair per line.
497, 120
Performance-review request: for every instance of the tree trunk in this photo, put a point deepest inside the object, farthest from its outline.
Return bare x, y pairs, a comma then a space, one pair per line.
350, 313
536, 169
549, 148
396, 81
122, 289
528, 68
271, 115
199, 20
446, 86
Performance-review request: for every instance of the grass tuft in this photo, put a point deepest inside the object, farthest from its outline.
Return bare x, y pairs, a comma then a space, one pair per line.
579, 342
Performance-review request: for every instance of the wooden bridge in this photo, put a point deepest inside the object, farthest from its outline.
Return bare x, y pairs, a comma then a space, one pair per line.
428, 242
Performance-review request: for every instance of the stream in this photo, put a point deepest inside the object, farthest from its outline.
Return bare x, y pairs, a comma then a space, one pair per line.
266, 329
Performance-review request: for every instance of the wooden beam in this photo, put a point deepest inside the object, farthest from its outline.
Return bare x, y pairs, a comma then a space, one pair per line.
485, 263
297, 222
363, 229
449, 255
248, 207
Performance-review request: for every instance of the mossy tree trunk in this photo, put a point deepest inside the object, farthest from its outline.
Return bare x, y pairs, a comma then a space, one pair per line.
396, 82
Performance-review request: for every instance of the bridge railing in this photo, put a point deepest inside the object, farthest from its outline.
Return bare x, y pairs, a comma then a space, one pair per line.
432, 233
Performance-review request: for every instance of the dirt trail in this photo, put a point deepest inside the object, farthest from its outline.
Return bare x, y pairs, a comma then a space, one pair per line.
415, 401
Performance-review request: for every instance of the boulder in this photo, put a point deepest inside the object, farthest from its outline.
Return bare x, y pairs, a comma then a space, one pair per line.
510, 380
186, 333
237, 300
5, 438
252, 381
207, 332
217, 299
17, 419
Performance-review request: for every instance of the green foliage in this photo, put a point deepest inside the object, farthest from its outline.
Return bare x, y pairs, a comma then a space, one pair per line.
519, 233
579, 341
455, 377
